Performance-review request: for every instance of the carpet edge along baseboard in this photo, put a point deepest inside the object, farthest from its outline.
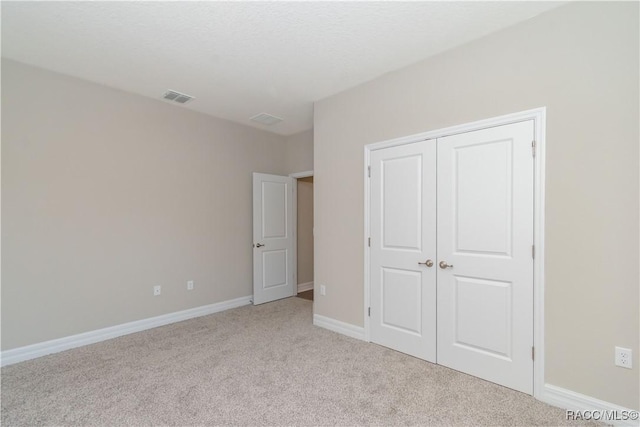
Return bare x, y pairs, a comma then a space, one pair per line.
32, 351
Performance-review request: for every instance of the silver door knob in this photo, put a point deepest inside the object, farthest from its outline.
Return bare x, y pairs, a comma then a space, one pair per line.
259, 245
444, 265
428, 263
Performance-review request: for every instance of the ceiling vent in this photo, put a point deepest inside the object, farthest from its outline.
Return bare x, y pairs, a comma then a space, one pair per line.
180, 98
266, 119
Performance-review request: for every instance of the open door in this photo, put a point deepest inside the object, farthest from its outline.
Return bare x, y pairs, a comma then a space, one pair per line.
272, 238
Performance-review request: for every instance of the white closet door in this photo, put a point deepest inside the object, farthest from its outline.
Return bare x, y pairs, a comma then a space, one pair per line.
403, 221
485, 236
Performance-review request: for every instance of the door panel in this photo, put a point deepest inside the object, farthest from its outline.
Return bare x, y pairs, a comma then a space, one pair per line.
485, 235
483, 315
274, 210
402, 210
403, 232
401, 296
275, 268
482, 218
272, 237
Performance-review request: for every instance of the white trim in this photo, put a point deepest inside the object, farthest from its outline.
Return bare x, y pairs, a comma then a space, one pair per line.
567, 399
533, 114
538, 115
294, 219
343, 328
33, 351
540, 120
302, 287
304, 174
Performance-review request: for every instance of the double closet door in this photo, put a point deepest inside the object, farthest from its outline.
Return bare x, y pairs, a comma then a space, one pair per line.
451, 278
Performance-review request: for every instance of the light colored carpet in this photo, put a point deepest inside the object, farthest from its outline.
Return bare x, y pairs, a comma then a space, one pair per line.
264, 365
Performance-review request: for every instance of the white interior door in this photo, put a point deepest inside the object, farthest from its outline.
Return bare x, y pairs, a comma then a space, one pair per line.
403, 274
485, 238
272, 238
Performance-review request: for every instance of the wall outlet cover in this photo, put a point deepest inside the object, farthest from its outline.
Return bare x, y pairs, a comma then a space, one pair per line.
624, 357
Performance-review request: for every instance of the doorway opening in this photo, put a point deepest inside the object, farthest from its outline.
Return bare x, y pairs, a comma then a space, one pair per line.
282, 236
303, 208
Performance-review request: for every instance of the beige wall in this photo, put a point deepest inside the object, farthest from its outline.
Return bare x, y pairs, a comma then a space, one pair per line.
305, 230
581, 62
106, 194
299, 152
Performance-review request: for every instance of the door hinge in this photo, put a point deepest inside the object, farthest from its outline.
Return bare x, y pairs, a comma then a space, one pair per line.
533, 148
369, 241
369, 171
369, 311
533, 251
533, 353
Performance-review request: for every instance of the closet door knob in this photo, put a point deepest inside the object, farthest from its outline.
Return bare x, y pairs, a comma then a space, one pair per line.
443, 265
428, 263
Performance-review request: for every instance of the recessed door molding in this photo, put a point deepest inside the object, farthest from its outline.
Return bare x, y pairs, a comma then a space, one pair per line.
538, 116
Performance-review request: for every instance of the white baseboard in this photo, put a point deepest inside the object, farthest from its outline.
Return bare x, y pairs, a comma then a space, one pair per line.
570, 400
305, 286
33, 351
343, 328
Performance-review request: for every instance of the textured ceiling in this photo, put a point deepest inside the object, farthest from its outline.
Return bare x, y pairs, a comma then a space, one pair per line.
243, 58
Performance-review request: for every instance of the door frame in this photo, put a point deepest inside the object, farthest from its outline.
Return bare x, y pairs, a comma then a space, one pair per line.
538, 115
294, 218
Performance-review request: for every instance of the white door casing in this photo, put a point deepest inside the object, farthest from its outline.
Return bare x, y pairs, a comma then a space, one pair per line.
273, 238
403, 274
487, 361
485, 234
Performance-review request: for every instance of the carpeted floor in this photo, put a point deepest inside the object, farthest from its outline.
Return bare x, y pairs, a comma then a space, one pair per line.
264, 365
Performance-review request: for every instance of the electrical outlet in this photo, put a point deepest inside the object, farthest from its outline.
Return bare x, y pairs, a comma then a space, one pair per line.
624, 357
157, 290
323, 290
190, 285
